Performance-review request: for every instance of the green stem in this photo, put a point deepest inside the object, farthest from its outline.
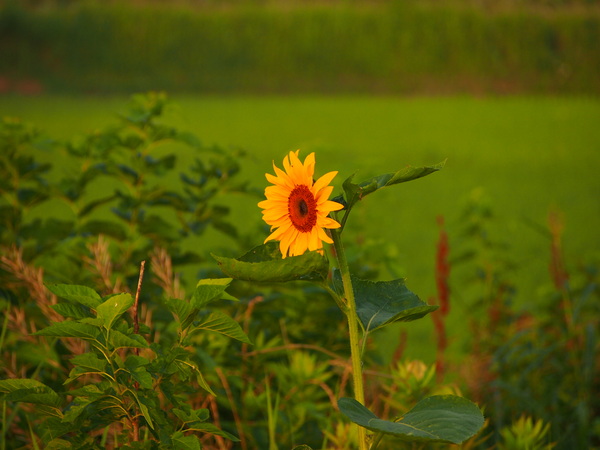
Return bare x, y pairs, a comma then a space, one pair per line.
376, 441
355, 350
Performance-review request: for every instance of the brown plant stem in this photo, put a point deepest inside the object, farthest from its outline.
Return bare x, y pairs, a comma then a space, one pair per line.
136, 320
136, 330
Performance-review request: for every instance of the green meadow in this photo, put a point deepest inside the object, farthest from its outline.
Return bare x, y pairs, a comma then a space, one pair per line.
521, 156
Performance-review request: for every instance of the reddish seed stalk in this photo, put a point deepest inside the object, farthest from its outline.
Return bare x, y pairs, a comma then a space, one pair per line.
442, 275
558, 272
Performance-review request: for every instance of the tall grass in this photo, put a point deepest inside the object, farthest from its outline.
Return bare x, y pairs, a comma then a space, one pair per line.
385, 47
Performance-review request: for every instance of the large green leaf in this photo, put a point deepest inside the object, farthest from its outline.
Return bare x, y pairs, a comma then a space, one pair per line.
75, 293
84, 364
209, 290
120, 340
72, 311
143, 408
355, 192
265, 264
70, 328
182, 442
440, 418
223, 324
29, 391
181, 309
379, 303
90, 362
111, 309
76, 408
143, 377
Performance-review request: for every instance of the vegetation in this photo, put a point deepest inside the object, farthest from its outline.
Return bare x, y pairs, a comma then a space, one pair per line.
382, 47
192, 366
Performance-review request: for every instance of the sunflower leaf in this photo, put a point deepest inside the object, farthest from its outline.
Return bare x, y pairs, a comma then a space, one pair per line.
265, 264
379, 303
353, 192
440, 418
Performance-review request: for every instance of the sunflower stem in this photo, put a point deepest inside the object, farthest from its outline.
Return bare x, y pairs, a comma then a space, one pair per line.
355, 350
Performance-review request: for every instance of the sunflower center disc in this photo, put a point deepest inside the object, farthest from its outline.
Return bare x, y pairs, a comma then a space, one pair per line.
302, 208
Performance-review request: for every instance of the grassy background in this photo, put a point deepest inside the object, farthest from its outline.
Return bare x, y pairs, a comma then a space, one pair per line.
527, 154
297, 46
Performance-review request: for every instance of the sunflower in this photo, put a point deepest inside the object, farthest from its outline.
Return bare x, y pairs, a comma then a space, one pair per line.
297, 207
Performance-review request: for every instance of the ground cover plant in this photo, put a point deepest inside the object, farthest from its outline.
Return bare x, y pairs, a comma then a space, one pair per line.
276, 378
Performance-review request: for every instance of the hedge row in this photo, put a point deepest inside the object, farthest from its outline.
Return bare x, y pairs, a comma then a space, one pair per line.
391, 47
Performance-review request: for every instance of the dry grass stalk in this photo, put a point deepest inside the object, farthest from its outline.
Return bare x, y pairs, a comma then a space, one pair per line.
30, 278
162, 268
101, 264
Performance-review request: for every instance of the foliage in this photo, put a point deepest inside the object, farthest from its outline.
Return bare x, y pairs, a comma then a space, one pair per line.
121, 385
538, 362
90, 220
284, 388
256, 47
525, 434
110, 196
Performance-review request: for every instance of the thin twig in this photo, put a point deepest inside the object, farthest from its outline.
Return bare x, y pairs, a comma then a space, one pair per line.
136, 320
296, 346
136, 329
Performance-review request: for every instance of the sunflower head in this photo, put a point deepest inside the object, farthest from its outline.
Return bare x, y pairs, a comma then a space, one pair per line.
297, 207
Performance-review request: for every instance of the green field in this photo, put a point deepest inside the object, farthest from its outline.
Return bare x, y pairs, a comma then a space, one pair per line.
526, 154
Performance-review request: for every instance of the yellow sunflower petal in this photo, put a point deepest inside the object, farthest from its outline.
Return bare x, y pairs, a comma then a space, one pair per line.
284, 245
329, 223
300, 244
329, 206
284, 177
309, 167
314, 243
278, 181
266, 204
278, 233
277, 189
296, 169
324, 181
323, 236
287, 166
290, 243
324, 194
274, 218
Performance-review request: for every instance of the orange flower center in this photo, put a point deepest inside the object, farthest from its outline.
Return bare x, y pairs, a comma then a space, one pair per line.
302, 208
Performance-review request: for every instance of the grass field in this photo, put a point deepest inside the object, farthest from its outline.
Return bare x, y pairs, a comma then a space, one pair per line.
527, 155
